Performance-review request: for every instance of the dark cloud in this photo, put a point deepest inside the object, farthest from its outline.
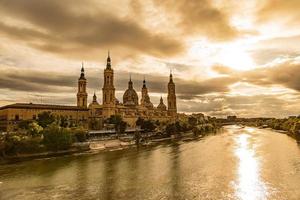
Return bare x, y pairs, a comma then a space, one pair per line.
284, 10
202, 17
242, 106
221, 69
286, 74
77, 28
267, 50
52, 82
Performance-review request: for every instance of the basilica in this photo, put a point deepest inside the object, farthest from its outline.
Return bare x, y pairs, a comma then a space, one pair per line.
93, 116
131, 108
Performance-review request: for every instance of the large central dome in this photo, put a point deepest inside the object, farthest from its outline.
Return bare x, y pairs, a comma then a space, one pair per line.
130, 97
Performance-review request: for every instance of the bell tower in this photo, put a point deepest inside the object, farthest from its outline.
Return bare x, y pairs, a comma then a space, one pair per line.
145, 100
82, 94
172, 107
108, 90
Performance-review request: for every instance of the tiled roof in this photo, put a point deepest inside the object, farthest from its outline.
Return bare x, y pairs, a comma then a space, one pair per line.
42, 106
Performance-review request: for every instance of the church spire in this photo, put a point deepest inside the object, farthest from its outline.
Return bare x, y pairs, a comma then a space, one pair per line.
94, 97
144, 83
130, 84
82, 72
108, 61
171, 76
82, 94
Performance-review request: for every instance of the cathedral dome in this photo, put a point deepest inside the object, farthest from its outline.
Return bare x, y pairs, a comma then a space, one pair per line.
161, 105
94, 102
130, 97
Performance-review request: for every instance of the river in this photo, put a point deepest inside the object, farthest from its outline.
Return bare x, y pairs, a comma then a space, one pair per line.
238, 163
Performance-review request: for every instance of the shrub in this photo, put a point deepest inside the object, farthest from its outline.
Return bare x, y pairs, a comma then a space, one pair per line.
17, 144
57, 138
79, 134
45, 119
34, 129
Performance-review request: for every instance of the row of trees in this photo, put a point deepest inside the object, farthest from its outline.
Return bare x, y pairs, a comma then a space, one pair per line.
54, 133
291, 125
47, 133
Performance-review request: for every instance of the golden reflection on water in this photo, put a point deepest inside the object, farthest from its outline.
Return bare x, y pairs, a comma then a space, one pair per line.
249, 184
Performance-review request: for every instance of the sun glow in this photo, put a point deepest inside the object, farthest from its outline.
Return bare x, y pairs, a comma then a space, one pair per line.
235, 57
250, 186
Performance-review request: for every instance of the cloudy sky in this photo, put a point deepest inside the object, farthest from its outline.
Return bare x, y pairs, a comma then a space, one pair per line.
227, 56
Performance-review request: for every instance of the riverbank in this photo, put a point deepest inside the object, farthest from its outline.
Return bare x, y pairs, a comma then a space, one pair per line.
100, 146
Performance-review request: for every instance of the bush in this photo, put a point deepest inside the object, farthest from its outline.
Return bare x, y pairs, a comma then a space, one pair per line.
14, 144
34, 129
79, 134
57, 138
45, 119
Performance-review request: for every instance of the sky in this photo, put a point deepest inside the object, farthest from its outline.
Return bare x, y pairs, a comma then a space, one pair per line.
228, 57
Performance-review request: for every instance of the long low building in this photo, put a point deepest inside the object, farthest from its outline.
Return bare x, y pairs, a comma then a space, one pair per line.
12, 115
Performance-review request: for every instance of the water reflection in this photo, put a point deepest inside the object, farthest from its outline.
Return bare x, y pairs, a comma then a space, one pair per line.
240, 163
175, 174
250, 186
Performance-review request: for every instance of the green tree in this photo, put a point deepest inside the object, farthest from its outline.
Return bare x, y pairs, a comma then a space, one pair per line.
45, 119
192, 121
119, 124
24, 124
170, 129
57, 138
63, 121
148, 126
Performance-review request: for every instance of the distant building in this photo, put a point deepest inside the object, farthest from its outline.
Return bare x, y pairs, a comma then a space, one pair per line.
231, 118
93, 115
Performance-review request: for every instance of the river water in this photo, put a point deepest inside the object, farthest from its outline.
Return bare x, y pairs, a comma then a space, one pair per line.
238, 163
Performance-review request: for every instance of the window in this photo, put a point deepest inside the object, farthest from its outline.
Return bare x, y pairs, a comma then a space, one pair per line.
34, 117
17, 117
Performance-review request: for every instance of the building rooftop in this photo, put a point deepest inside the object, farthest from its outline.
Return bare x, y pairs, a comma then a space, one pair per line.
42, 106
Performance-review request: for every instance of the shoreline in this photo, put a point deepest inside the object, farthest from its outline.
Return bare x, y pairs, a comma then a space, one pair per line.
98, 146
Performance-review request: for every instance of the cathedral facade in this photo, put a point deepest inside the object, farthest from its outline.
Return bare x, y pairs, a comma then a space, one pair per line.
131, 108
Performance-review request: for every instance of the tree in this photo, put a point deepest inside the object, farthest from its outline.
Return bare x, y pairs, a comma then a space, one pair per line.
24, 124
34, 129
119, 124
192, 121
45, 119
80, 134
57, 138
63, 121
122, 127
148, 126
170, 129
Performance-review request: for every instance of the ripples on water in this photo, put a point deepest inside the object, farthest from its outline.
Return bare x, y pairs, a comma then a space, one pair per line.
239, 163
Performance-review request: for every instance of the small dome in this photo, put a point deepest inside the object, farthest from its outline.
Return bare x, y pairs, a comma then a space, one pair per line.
161, 105
130, 97
94, 102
